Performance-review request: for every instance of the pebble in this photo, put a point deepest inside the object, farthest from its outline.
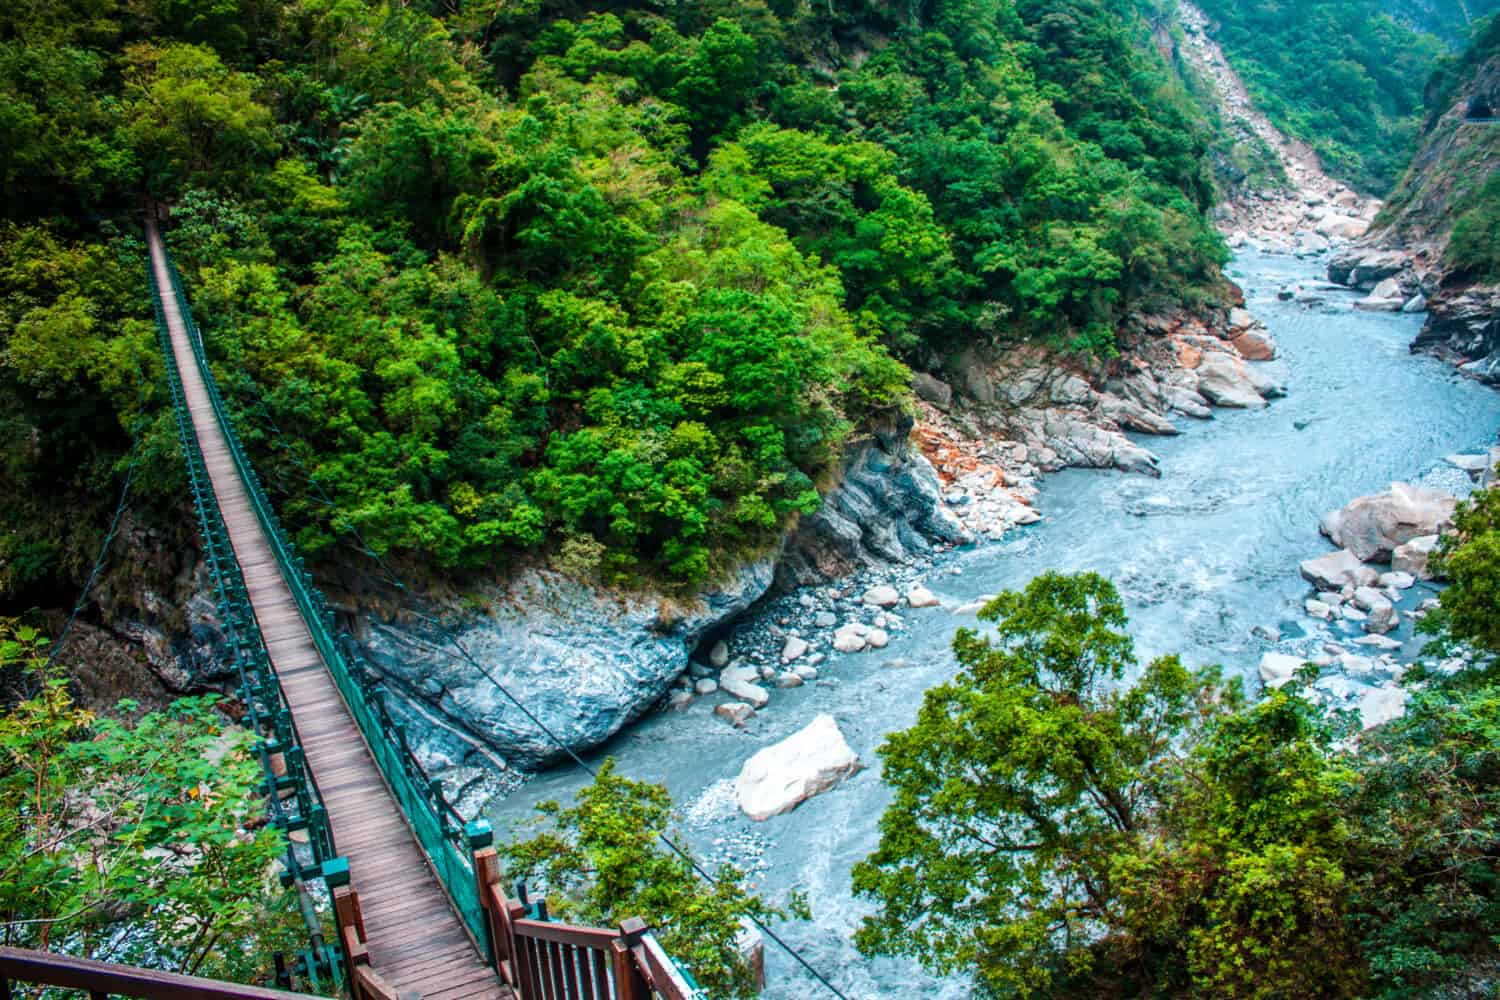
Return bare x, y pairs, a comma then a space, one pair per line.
736, 712
706, 686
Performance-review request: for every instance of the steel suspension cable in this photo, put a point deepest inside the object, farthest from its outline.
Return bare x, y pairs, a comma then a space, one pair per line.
109, 536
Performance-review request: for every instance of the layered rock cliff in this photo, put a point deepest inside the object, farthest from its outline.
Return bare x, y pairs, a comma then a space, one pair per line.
1433, 247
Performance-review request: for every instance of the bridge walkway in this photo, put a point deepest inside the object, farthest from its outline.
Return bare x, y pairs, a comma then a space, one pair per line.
416, 940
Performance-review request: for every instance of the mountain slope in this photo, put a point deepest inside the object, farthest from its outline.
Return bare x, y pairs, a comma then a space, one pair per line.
1440, 232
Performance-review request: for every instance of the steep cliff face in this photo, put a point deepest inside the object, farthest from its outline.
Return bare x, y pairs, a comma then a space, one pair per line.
586, 661
1437, 244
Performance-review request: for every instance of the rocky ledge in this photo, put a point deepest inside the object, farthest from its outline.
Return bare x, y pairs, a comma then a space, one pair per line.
1463, 321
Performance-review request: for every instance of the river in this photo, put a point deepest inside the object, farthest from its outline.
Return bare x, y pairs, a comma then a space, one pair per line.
1202, 556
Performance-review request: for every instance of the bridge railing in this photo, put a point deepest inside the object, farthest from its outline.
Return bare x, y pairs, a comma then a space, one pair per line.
105, 979
447, 839
539, 959
544, 960
295, 803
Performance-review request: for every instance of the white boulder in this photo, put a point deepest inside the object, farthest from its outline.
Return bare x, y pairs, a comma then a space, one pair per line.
1334, 570
794, 649
1223, 379
847, 640
1278, 668
740, 682
1382, 705
782, 776
882, 597
1372, 527
920, 597
1412, 557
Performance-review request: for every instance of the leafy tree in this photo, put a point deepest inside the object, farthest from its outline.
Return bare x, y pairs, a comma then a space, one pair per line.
140, 843
601, 862
1023, 784
1426, 890
1469, 556
1058, 830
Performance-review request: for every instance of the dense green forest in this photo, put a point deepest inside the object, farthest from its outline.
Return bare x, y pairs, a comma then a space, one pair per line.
610, 282
1344, 76
1453, 21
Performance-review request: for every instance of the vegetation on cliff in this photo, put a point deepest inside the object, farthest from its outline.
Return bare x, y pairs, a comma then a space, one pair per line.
1450, 193
1057, 832
612, 281
1341, 75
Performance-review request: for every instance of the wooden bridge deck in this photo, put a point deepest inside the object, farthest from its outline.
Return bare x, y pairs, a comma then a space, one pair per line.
416, 940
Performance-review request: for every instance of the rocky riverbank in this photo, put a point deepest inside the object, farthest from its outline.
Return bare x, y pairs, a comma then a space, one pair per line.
1369, 594
585, 662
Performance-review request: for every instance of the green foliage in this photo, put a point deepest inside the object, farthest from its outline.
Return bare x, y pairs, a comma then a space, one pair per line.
619, 277
1427, 894
1473, 250
600, 862
1469, 556
1058, 829
1023, 786
1341, 75
143, 844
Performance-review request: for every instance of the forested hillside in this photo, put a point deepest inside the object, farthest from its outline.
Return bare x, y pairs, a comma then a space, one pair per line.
1451, 192
612, 282
1344, 76
1451, 20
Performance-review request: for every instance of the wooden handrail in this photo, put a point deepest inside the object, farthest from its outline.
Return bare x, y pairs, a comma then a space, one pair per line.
102, 979
595, 938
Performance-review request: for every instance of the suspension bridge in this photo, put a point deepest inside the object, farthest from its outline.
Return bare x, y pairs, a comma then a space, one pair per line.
418, 906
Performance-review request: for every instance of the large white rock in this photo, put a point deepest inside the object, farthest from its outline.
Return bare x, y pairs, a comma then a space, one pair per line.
1278, 668
794, 648
741, 683
920, 597
882, 596
1224, 380
1381, 706
1412, 557
1334, 570
1372, 527
782, 776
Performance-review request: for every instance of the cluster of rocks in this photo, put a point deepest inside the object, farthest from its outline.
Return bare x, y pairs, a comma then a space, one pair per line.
1463, 323
1394, 280
1033, 412
1376, 583
796, 638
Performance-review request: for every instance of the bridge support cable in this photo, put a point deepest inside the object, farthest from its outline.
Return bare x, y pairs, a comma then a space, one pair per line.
461, 652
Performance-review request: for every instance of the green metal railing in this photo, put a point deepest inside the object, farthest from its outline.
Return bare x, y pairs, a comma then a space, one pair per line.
447, 839
295, 803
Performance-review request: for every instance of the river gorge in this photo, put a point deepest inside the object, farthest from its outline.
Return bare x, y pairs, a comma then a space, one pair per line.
1203, 555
